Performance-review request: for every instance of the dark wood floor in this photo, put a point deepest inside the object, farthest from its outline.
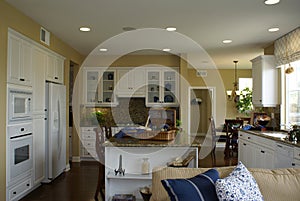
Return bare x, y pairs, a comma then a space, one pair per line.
79, 184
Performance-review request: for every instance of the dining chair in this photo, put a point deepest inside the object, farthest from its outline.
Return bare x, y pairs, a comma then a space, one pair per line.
232, 127
100, 150
214, 139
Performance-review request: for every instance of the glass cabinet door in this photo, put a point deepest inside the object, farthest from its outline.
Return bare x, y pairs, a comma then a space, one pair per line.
169, 83
153, 87
92, 79
108, 85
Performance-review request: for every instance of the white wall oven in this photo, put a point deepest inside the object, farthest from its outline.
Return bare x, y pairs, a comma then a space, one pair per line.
19, 103
19, 156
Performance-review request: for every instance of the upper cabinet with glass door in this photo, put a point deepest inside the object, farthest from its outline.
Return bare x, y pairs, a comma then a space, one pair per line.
162, 87
99, 85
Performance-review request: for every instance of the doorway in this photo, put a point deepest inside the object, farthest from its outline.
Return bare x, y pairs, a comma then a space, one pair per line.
201, 106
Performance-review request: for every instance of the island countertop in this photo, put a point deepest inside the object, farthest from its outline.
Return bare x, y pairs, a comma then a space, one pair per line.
181, 140
278, 136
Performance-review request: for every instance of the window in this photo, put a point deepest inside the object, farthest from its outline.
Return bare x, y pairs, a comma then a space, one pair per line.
290, 96
244, 83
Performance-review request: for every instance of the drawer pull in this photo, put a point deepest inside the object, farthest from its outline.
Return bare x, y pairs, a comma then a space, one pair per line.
262, 151
244, 144
249, 138
27, 184
293, 164
22, 79
14, 192
56, 78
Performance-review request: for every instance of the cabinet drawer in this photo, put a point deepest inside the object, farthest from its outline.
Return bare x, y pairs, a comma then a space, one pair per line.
87, 129
89, 143
265, 142
246, 136
20, 189
90, 153
297, 153
88, 136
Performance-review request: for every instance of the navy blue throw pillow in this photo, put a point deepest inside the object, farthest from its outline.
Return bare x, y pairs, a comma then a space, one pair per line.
198, 188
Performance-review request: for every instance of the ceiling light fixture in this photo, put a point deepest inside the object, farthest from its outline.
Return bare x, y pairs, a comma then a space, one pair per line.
166, 50
85, 29
271, 2
227, 41
171, 28
274, 29
103, 50
234, 92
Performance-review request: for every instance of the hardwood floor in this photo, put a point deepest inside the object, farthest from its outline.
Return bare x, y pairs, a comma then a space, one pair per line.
79, 184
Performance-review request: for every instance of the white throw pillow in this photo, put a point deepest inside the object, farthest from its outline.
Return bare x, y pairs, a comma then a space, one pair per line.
239, 185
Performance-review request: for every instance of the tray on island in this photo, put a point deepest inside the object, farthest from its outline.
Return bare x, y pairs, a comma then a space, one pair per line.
155, 135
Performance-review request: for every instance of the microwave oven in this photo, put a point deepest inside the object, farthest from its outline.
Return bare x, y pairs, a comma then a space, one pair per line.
19, 104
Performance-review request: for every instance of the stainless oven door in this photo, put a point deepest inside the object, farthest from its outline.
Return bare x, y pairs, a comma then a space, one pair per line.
20, 155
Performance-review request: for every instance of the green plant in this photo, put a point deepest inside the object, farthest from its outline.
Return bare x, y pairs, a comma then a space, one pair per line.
178, 123
100, 116
244, 103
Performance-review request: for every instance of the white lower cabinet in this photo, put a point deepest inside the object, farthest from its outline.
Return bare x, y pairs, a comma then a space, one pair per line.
88, 143
39, 149
17, 191
255, 151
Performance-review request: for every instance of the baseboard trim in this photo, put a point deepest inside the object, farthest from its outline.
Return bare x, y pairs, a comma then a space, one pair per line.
76, 159
68, 168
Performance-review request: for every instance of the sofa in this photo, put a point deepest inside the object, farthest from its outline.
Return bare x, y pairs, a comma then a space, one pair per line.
274, 185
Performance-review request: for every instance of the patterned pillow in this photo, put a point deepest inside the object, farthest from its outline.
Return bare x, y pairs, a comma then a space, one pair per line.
239, 185
200, 187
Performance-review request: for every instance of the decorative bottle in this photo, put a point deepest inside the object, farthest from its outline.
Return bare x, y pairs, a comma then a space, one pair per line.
145, 166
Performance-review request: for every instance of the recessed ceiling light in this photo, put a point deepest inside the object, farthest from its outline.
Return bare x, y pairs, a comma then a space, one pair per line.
227, 41
274, 29
85, 29
166, 50
103, 50
171, 28
271, 2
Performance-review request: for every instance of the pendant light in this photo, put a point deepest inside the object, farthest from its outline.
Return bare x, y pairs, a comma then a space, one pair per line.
234, 95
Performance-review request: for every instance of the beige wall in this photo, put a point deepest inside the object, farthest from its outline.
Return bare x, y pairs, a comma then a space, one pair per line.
10, 17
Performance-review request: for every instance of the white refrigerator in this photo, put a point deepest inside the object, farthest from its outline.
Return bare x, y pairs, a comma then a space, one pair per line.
55, 130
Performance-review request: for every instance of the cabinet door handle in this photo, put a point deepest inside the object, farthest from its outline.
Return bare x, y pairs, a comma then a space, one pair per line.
249, 138
279, 146
262, 151
244, 144
293, 164
45, 118
22, 79
56, 78
14, 192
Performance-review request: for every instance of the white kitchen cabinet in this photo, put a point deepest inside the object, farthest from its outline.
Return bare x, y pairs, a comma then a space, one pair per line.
39, 149
255, 151
131, 82
55, 68
39, 59
99, 86
265, 81
88, 143
296, 159
19, 60
162, 87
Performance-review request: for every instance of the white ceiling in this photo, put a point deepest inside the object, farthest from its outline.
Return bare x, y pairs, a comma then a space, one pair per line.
207, 22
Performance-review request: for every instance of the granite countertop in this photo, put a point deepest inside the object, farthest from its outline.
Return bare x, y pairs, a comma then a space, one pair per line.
278, 136
181, 140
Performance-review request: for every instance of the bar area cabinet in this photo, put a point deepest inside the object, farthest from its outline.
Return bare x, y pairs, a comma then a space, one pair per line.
99, 84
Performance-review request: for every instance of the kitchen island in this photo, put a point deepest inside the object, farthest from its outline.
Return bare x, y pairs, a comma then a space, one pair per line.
133, 152
268, 149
